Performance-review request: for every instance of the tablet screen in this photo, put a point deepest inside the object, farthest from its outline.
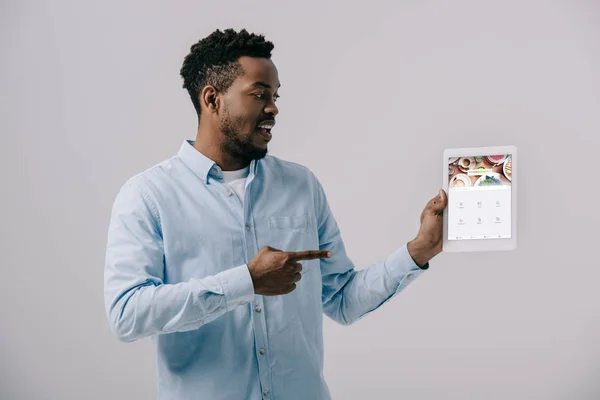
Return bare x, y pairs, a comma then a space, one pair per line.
479, 197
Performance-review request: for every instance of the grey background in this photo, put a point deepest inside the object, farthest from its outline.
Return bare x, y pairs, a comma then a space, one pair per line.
372, 92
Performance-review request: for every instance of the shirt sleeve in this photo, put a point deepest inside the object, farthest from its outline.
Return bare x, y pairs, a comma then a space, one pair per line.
138, 302
348, 295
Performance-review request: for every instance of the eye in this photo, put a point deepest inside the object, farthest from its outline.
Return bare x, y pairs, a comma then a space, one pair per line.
262, 96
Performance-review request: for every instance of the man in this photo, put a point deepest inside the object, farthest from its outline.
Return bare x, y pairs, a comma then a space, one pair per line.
228, 257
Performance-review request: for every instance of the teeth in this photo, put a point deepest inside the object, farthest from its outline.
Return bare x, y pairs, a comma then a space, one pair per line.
266, 124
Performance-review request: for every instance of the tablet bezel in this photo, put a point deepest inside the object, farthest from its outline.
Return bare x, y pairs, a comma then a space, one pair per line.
482, 244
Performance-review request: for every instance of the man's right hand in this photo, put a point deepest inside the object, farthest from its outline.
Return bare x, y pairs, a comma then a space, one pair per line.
275, 272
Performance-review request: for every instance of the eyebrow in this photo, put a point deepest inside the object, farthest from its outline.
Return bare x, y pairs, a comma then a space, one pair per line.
265, 85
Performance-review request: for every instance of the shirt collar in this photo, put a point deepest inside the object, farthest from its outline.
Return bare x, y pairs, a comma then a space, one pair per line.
203, 166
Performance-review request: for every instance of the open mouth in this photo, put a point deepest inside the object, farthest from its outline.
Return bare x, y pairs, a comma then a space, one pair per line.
264, 128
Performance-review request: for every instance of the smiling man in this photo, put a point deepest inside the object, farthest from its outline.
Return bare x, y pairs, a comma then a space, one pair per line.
228, 257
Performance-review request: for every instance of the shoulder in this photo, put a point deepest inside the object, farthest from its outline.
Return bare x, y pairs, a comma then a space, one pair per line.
148, 183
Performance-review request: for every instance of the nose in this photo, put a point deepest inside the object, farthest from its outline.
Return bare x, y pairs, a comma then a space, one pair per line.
271, 108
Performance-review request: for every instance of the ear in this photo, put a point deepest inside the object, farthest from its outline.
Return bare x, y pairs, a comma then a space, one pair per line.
209, 99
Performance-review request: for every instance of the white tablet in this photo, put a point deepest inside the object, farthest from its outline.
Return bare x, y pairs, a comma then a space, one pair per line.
482, 199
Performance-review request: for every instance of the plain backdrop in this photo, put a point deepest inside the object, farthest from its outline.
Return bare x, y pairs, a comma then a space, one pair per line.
372, 92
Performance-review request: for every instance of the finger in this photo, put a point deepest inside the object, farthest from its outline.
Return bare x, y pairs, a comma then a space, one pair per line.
443, 202
438, 203
443, 196
293, 267
309, 255
296, 277
269, 248
288, 289
296, 267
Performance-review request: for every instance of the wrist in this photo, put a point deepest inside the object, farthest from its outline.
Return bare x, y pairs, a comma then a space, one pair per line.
419, 252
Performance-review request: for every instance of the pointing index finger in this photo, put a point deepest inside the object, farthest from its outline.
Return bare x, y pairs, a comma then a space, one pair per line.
309, 255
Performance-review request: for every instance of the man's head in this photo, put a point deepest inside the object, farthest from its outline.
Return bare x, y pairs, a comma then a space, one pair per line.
233, 85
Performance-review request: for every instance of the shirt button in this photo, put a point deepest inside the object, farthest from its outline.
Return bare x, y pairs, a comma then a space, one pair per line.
257, 309
409, 276
228, 192
266, 392
247, 227
262, 351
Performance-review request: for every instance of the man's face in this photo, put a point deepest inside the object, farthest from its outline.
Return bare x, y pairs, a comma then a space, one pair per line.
249, 104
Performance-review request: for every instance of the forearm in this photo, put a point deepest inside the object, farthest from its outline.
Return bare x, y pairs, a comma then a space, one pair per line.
366, 290
348, 295
150, 309
138, 301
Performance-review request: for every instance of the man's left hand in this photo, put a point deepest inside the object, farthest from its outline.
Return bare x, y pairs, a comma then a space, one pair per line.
428, 242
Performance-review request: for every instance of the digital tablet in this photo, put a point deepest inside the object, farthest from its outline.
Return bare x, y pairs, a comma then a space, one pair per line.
482, 209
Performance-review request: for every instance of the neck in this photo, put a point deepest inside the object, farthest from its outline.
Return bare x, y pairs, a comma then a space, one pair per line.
207, 144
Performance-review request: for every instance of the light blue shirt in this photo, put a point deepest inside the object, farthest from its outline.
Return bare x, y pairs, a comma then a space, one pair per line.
179, 241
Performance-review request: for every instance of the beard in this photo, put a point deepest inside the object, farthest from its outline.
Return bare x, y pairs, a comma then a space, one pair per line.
236, 143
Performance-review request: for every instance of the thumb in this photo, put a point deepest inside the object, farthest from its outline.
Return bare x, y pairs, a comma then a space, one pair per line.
439, 202
269, 248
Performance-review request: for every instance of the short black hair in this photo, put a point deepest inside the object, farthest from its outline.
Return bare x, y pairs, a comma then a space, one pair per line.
214, 60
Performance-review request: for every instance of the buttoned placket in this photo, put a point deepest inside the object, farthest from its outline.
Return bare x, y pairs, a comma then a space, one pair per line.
243, 213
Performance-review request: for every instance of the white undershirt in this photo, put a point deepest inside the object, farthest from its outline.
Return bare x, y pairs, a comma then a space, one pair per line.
237, 181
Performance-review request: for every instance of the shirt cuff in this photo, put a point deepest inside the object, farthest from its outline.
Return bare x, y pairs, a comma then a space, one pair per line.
401, 266
237, 286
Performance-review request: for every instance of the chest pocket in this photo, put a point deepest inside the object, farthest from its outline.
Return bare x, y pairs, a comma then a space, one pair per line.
294, 233
291, 233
